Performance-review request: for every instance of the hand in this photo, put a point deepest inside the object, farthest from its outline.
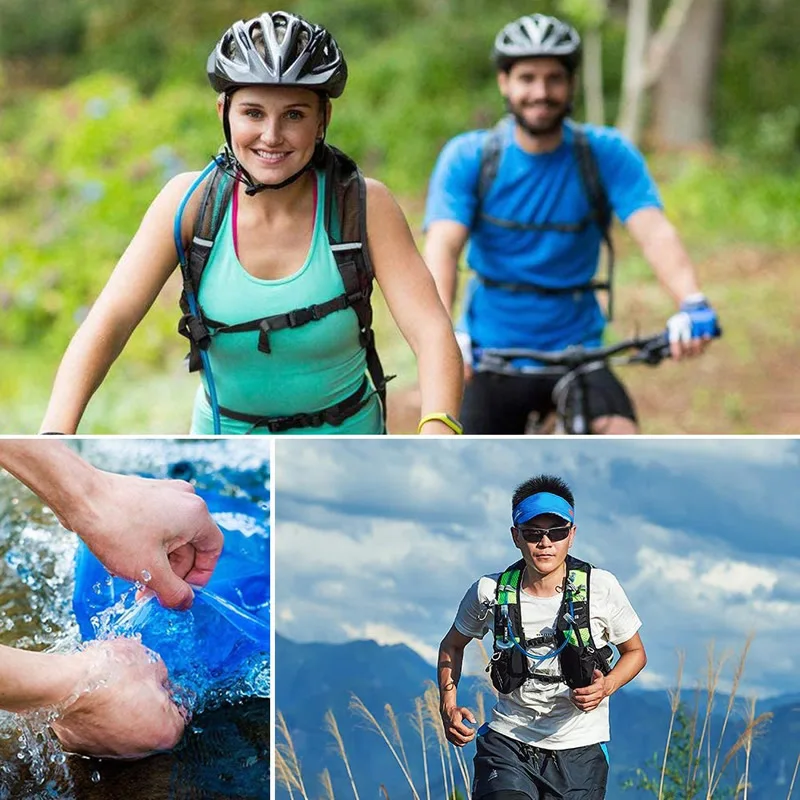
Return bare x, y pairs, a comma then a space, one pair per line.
119, 706
464, 341
690, 330
157, 532
454, 728
139, 526
589, 697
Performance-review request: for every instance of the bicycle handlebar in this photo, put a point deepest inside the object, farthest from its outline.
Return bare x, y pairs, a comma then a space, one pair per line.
650, 350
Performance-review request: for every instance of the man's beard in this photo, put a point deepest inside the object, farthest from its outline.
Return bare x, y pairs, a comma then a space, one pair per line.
545, 128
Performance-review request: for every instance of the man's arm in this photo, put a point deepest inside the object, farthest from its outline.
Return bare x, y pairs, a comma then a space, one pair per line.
154, 531
451, 658
443, 245
631, 662
664, 251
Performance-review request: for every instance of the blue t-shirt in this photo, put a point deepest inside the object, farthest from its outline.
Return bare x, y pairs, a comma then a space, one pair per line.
535, 188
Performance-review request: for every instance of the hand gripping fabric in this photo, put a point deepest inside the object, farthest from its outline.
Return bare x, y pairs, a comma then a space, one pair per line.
345, 223
578, 655
227, 627
599, 211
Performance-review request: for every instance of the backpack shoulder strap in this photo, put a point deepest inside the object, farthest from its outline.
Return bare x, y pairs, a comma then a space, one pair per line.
346, 223
507, 602
215, 199
598, 200
576, 600
490, 161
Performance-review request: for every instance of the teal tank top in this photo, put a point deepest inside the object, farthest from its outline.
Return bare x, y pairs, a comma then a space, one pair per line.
310, 368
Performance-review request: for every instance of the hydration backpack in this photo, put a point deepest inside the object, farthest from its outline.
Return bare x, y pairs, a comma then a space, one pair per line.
600, 212
345, 224
578, 655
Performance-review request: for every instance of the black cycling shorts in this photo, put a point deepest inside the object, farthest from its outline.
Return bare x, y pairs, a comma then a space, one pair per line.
506, 769
501, 404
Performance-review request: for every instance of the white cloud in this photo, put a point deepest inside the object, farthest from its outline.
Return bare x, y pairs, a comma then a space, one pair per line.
386, 635
732, 578
424, 519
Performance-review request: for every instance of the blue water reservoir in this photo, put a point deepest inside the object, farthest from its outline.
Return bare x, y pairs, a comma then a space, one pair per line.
224, 634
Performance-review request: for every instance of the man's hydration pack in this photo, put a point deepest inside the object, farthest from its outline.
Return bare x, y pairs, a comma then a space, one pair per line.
345, 223
599, 210
578, 655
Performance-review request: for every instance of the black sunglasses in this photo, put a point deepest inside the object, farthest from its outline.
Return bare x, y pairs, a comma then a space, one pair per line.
535, 535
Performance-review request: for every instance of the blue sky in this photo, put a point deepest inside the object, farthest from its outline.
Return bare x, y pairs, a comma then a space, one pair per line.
379, 539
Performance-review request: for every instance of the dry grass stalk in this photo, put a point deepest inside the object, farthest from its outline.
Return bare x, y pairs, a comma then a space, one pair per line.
418, 723
713, 672
751, 729
485, 675
333, 729
689, 788
284, 774
480, 709
395, 728
448, 748
794, 777
674, 704
737, 678
325, 780
290, 755
462, 768
431, 702
748, 747
359, 708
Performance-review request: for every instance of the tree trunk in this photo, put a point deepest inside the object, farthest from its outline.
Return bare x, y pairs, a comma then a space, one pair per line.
593, 77
683, 92
634, 69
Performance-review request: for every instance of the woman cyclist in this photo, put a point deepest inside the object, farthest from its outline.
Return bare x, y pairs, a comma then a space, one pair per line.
276, 325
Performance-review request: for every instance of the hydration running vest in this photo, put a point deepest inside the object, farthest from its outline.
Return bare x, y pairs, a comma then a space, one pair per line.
509, 668
345, 223
599, 210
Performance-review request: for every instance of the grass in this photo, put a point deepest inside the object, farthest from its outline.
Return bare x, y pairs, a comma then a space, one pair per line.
454, 773
694, 764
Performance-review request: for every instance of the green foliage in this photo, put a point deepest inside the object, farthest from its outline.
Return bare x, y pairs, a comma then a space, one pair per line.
684, 776
129, 106
725, 200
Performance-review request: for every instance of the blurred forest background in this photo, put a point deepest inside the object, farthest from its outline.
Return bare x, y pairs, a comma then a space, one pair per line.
102, 103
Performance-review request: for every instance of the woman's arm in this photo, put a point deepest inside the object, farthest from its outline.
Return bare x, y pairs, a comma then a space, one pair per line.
130, 291
413, 301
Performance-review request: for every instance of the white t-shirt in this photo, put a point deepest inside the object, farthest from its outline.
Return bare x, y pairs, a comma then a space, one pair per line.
538, 713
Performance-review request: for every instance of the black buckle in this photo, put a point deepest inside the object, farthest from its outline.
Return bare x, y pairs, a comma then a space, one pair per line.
280, 424
302, 316
355, 297
195, 330
263, 336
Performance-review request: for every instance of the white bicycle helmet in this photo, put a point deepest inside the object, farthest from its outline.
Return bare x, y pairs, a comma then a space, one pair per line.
536, 36
280, 49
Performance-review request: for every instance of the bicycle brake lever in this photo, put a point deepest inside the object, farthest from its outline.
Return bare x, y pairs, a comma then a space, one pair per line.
653, 352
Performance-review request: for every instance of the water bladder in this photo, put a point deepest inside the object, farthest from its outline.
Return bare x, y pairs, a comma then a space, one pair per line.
226, 631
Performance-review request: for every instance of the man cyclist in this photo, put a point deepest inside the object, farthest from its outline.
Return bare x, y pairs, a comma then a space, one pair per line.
534, 239
546, 736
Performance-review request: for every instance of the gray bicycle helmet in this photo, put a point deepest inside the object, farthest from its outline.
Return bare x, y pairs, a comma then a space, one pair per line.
535, 36
277, 48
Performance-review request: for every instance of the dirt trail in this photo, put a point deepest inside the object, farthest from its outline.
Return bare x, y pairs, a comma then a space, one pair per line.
747, 383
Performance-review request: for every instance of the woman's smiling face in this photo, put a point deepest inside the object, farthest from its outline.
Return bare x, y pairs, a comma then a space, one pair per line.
274, 129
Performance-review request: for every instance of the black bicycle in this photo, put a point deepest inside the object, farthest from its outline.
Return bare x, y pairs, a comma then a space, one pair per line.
570, 396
